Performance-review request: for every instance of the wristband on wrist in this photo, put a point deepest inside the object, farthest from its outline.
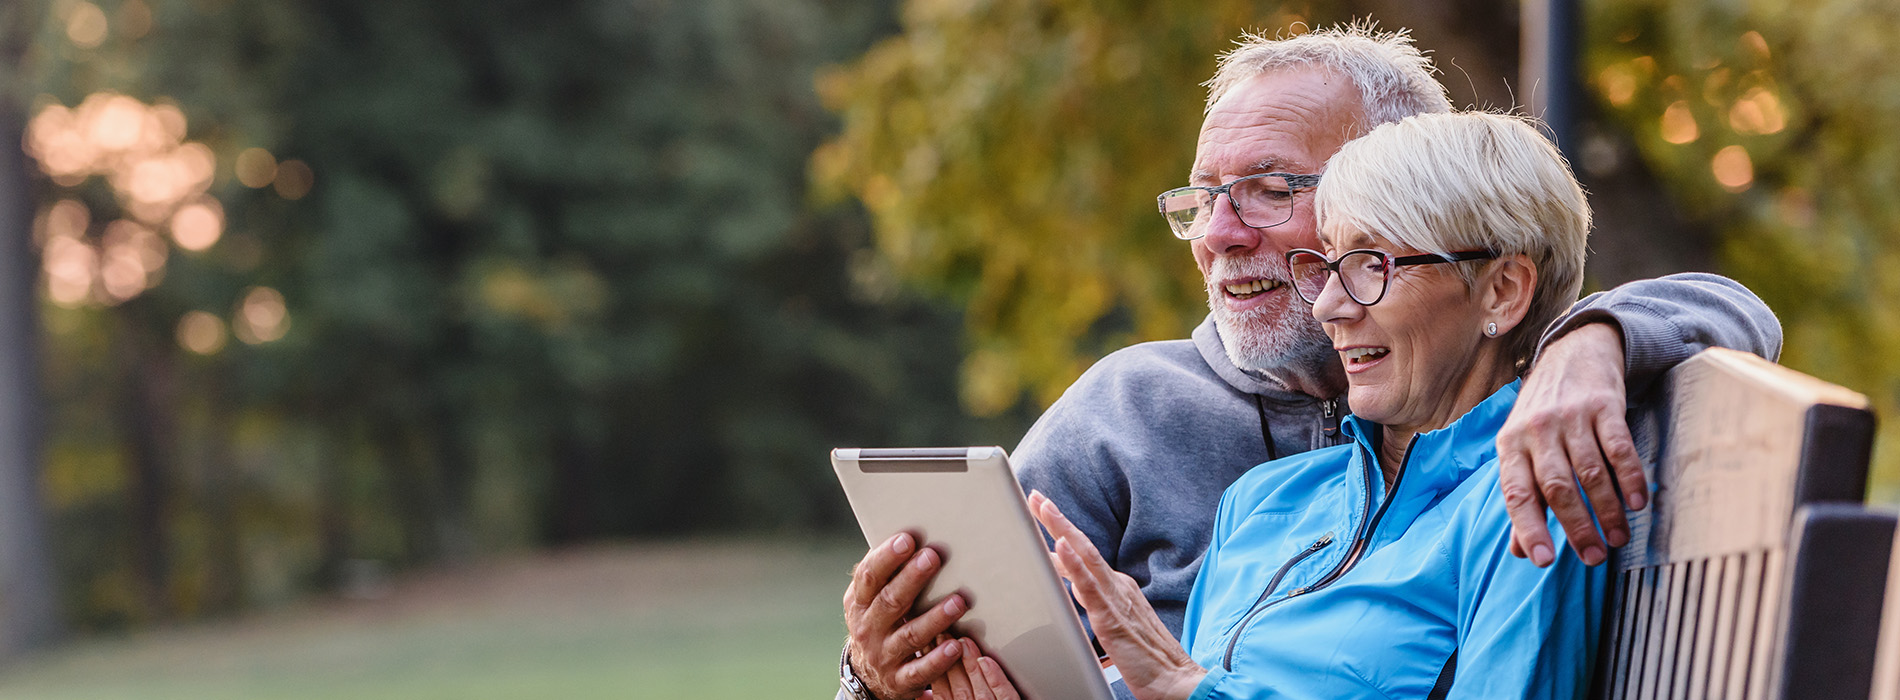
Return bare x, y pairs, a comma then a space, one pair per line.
848, 678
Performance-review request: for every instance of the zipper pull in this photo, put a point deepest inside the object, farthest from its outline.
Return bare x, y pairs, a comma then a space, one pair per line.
1329, 409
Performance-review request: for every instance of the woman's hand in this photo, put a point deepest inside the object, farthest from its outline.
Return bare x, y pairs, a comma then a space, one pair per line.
1152, 663
977, 677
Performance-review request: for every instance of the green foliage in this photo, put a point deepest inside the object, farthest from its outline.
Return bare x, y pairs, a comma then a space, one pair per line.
558, 278
1010, 153
1807, 218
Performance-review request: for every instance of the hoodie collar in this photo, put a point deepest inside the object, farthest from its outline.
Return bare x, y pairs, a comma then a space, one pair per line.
1214, 352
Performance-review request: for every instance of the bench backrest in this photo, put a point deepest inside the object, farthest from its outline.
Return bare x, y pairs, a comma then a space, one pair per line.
1742, 581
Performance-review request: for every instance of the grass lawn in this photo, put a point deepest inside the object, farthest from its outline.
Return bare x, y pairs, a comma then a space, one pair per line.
703, 620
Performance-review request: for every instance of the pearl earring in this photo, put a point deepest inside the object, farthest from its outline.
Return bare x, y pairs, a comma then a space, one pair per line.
1491, 329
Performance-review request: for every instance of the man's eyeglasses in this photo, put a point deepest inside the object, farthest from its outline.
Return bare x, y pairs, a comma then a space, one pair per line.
1365, 273
1261, 201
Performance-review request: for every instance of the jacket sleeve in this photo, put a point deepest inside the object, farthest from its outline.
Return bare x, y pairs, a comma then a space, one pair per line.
1523, 632
1669, 319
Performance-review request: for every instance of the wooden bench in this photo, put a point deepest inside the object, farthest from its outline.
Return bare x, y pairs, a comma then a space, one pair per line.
1757, 573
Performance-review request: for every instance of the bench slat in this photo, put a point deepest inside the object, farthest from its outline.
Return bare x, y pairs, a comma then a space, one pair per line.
1655, 649
1767, 628
1708, 601
1686, 629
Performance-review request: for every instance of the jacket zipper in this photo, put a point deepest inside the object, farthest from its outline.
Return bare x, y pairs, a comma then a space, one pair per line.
1329, 410
1368, 525
1322, 543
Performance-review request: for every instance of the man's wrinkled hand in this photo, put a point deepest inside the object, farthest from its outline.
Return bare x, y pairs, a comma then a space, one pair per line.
884, 642
1569, 428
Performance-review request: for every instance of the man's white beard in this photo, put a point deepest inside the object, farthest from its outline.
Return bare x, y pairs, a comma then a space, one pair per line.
1269, 339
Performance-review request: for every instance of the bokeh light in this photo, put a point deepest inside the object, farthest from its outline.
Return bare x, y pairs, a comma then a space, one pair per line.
133, 259
70, 266
198, 225
159, 179
1755, 43
1678, 124
294, 179
256, 167
261, 317
201, 332
1758, 112
86, 25
1618, 83
1733, 169
135, 19
66, 218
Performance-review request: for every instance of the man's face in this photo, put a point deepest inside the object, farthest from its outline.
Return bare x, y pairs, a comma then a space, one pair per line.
1283, 121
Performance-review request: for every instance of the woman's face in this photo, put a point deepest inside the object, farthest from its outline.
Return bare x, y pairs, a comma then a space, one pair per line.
1411, 356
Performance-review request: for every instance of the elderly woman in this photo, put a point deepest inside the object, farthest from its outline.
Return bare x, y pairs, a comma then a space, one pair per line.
1380, 568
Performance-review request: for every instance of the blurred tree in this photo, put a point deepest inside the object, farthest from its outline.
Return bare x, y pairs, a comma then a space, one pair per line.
1775, 124
1010, 154
497, 274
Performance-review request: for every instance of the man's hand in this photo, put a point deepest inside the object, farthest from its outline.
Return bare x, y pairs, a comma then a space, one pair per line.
883, 644
1152, 663
1568, 428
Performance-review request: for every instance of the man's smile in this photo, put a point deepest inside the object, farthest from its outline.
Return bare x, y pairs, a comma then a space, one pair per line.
1247, 289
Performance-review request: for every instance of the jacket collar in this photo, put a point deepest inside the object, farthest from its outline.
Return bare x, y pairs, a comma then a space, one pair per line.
1442, 458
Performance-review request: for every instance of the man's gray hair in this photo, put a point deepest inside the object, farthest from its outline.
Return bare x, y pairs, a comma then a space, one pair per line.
1394, 79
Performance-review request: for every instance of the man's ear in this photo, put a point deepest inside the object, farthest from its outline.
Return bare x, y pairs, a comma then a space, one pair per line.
1507, 287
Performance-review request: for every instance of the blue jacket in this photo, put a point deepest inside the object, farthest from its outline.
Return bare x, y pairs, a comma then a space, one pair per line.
1318, 584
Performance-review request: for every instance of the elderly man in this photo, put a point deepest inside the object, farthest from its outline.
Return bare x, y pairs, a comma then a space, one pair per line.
1138, 451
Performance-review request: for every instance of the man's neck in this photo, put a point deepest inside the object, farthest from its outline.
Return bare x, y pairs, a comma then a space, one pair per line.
1320, 380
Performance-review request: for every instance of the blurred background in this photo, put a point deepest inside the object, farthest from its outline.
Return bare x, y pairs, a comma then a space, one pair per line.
413, 349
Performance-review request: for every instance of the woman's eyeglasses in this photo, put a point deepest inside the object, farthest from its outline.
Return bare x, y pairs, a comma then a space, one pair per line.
1365, 273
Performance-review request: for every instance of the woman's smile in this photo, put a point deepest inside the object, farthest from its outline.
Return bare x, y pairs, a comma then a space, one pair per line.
1360, 358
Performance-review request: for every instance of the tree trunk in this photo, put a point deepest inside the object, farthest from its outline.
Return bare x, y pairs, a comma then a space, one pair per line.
148, 393
29, 598
222, 490
335, 543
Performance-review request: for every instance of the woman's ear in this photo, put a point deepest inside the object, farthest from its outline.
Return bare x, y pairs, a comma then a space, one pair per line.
1506, 288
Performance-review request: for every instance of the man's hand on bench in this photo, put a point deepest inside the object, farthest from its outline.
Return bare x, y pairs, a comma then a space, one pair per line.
1568, 428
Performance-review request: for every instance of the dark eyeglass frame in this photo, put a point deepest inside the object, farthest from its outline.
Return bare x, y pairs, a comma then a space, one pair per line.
1392, 262
1295, 182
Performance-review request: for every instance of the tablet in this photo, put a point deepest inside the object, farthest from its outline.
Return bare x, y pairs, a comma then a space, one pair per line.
965, 502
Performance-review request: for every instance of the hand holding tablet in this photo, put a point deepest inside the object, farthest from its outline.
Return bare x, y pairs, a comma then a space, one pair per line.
966, 504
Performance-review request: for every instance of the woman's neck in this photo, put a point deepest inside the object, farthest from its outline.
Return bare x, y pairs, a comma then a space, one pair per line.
1479, 385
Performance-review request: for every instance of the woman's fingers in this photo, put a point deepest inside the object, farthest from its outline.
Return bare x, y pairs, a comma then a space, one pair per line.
958, 679
994, 677
1087, 587
933, 664
1061, 529
979, 688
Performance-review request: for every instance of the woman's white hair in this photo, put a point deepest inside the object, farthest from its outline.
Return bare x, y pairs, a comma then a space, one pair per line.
1466, 181
1394, 79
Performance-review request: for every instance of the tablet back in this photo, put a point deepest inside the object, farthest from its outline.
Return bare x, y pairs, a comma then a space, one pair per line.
965, 502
